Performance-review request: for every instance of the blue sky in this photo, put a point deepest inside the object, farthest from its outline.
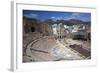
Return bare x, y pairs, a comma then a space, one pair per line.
43, 15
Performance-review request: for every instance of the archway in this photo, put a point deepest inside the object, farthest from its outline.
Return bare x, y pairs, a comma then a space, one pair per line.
32, 29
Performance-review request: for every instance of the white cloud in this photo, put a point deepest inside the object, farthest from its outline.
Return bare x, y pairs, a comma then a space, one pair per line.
57, 18
33, 15
53, 17
75, 15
